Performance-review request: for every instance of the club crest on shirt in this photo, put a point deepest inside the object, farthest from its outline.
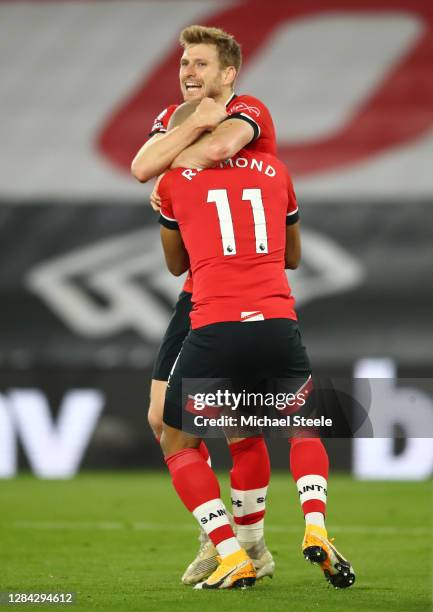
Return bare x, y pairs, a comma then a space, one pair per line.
242, 107
158, 125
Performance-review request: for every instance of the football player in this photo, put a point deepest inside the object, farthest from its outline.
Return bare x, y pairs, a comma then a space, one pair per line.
243, 320
209, 66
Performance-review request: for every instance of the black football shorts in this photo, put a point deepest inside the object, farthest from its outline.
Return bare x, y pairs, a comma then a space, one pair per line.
248, 354
174, 336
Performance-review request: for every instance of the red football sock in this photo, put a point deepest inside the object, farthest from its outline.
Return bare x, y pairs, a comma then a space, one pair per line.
198, 488
204, 452
249, 479
309, 465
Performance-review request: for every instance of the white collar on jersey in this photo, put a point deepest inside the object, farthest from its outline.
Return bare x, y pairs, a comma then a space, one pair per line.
233, 95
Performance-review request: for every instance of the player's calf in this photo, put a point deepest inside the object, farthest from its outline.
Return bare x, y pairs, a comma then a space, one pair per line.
198, 488
249, 479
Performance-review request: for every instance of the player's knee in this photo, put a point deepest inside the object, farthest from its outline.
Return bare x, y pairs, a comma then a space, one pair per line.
174, 440
169, 442
156, 406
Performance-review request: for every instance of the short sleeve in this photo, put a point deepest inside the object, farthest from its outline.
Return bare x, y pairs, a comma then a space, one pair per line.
253, 111
160, 122
166, 214
292, 205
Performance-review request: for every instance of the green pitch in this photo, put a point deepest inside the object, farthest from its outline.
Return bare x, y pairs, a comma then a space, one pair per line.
121, 542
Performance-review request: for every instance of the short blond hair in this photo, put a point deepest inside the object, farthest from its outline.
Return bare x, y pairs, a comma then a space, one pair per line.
229, 50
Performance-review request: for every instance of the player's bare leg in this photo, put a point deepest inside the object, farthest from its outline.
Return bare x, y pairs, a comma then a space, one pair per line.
156, 406
158, 389
198, 488
310, 466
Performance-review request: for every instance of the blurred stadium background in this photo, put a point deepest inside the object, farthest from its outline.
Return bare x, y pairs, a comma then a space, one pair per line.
84, 294
85, 297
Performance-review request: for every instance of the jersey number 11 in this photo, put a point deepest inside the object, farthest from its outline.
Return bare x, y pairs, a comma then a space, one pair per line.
254, 197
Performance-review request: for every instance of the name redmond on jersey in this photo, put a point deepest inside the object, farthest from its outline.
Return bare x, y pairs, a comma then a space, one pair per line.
252, 420
237, 162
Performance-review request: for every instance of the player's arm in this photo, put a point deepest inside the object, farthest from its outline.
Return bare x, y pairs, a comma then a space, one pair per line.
176, 255
157, 154
292, 254
225, 141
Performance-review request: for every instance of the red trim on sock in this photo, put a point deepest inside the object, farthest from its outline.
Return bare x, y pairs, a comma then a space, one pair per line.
249, 519
220, 534
314, 505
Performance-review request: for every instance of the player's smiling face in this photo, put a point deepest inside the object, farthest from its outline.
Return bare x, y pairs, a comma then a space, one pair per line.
201, 74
